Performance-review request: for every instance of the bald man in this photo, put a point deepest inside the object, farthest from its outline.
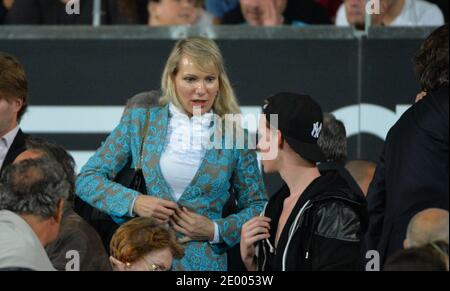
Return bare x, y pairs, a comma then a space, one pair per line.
362, 171
429, 225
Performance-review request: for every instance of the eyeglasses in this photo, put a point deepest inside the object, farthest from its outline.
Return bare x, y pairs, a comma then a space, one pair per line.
439, 249
153, 267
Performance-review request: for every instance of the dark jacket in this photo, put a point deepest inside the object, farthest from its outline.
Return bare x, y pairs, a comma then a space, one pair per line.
324, 231
77, 235
343, 172
17, 147
412, 173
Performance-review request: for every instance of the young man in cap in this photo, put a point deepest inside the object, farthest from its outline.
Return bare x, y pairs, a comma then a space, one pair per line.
315, 221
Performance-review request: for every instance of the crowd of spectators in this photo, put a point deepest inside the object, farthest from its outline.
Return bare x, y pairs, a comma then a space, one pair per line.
227, 12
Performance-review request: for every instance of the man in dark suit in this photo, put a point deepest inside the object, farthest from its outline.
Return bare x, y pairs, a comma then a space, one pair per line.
412, 173
13, 104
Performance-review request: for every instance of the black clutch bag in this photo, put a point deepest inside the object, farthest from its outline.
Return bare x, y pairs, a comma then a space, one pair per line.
132, 178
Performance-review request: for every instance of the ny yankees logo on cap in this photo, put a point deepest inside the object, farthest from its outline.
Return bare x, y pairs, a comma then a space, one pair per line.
317, 128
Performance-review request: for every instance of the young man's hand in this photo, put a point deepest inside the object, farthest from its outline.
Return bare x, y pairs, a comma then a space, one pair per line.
254, 230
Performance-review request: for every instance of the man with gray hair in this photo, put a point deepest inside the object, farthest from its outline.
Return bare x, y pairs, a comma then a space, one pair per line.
75, 234
333, 139
427, 226
32, 199
333, 144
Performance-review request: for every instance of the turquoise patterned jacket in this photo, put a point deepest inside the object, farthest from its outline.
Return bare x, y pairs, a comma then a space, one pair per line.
221, 170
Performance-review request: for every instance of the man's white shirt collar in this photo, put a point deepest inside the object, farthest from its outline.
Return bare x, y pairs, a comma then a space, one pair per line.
5, 143
8, 138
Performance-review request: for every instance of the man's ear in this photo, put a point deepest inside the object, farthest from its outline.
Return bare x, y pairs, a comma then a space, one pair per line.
18, 104
280, 139
59, 211
116, 264
405, 244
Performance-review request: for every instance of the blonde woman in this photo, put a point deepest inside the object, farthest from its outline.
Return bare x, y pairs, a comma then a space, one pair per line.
188, 184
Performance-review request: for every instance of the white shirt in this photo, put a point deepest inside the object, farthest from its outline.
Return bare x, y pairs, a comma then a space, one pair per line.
5, 143
184, 151
414, 13
19, 245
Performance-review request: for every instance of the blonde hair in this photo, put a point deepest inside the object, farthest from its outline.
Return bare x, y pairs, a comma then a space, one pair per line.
203, 52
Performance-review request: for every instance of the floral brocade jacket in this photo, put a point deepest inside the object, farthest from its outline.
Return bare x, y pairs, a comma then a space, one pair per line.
221, 171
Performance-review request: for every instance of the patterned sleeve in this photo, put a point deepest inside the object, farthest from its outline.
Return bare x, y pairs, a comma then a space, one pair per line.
248, 185
94, 184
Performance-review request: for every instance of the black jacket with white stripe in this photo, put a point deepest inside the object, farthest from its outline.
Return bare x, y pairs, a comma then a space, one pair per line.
325, 230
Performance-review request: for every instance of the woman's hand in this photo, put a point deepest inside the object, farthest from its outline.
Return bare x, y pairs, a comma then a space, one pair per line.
159, 209
254, 230
192, 225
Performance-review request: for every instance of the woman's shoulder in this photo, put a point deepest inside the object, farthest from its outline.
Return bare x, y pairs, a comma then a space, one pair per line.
138, 105
144, 100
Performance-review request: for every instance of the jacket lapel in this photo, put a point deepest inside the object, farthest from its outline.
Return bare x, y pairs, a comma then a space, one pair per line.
153, 148
214, 164
17, 147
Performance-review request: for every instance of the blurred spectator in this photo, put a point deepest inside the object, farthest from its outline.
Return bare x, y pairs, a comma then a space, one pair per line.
392, 13
427, 226
362, 171
443, 5
75, 233
131, 12
52, 12
141, 244
430, 257
5, 5
13, 105
218, 8
412, 173
31, 209
165, 12
47, 12
277, 12
8, 3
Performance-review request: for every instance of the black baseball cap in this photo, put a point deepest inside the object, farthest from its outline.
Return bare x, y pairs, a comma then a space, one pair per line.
300, 122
